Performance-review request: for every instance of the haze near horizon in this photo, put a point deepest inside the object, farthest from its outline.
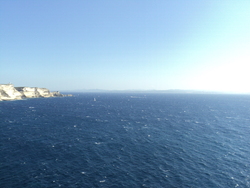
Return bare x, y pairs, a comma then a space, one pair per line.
126, 45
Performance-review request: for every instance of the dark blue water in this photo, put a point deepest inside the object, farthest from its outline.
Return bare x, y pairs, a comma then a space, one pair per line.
126, 140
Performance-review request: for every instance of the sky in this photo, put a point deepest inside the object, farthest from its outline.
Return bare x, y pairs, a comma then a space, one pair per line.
126, 44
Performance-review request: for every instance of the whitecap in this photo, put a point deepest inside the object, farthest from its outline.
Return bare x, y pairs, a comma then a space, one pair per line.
102, 181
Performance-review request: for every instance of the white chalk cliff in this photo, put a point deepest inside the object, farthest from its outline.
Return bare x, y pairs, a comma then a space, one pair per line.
9, 92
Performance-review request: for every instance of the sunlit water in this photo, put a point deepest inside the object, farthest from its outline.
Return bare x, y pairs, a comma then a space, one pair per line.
126, 140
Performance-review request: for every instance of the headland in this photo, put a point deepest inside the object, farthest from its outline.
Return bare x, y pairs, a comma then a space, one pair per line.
9, 92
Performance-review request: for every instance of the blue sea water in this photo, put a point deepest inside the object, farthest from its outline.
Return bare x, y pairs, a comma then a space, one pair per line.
126, 140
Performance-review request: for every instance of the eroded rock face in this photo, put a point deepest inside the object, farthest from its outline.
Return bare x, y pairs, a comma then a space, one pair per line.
9, 92
28, 92
57, 94
44, 92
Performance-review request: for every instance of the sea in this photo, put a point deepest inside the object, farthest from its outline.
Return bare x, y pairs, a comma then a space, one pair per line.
129, 140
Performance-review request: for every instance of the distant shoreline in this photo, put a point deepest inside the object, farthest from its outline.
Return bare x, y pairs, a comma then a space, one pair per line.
172, 91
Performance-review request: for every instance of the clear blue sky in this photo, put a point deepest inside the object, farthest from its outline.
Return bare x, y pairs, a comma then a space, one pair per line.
126, 44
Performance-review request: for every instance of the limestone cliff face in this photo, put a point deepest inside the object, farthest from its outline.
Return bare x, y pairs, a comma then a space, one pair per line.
28, 92
58, 94
44, 92
9, 92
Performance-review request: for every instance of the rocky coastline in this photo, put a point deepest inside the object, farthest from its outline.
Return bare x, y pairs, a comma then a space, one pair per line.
9, 92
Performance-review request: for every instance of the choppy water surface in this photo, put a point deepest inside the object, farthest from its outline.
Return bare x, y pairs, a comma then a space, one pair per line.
126, 140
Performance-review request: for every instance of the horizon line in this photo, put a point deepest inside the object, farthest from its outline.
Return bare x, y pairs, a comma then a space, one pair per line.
154, 91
